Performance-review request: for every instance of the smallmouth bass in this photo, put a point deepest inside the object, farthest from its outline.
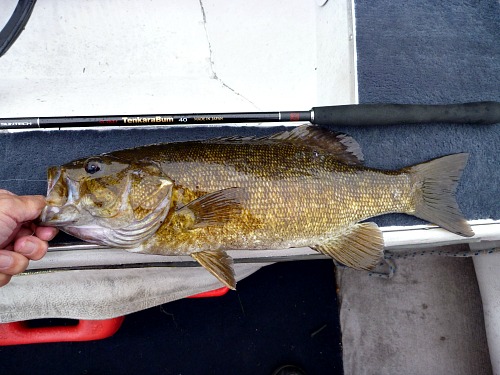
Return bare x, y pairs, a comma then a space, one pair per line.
304, 187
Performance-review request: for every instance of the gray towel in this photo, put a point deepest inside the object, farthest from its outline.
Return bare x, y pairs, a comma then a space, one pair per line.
104, 294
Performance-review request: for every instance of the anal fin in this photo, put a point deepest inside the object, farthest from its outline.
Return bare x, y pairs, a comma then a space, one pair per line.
360, 246
219, 264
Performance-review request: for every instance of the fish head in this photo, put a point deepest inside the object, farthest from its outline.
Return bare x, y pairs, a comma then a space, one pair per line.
107, 200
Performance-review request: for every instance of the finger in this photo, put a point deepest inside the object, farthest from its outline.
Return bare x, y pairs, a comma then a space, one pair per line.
31, 247
8, 230
46, 233
21, 208
4, 279
23, 232
12, 263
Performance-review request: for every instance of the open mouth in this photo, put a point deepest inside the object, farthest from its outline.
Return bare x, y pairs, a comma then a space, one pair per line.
57, 187
58, 216
60, 209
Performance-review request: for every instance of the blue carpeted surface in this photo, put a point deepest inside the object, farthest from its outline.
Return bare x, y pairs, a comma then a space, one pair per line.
433, 52
423, 52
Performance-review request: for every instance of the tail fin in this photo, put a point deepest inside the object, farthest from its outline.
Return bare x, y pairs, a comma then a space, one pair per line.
436, 183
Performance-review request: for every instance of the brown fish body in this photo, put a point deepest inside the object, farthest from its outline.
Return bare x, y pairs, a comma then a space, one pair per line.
290, 196
305, 187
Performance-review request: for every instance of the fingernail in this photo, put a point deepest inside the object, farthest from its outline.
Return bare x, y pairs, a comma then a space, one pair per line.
6, 261
28, 248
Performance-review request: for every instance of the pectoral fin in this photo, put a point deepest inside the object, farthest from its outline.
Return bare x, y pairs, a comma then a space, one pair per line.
361, 246
219, 264
214, 208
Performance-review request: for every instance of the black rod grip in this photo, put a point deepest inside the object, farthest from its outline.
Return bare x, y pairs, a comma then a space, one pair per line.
399, 114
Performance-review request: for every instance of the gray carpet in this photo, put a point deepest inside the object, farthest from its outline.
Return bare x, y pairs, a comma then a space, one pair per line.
426, 320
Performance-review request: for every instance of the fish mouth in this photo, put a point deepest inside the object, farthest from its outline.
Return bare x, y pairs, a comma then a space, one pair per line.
58, 216
53, 174
61, 193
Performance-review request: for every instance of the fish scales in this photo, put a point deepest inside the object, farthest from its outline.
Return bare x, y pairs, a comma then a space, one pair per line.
305, 187
276, 179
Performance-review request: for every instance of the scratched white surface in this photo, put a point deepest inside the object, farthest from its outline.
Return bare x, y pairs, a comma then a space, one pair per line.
114, 57
136, 57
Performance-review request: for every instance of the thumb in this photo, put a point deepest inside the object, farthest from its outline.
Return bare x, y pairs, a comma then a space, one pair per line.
21, 208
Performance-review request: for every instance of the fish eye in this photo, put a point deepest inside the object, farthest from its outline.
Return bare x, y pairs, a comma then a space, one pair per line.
92, 166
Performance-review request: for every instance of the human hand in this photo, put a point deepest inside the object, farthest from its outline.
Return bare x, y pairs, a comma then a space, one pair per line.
20, 239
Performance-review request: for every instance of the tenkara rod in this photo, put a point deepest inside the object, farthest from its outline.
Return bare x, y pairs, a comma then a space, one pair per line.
351, 115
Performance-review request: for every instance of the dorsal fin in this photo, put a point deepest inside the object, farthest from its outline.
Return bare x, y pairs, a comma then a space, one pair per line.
342, 146
323, 140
